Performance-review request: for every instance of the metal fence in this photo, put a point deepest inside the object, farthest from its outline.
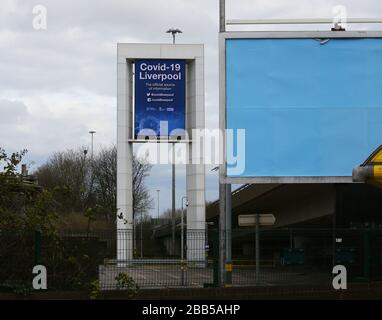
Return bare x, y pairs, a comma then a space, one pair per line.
288, 257
158, 262
306, 256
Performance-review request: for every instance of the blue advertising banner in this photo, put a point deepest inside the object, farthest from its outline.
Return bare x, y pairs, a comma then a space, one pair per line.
160, 96
310, 108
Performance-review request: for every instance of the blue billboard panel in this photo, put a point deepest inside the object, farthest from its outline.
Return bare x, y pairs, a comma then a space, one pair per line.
160, 96
310, 108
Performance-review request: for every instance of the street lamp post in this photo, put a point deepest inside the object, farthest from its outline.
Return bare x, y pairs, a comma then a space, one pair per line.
173, 31
182, 236
173, 200
92, 132
158, 203
135, 232
141, 234
206, 240
182, 227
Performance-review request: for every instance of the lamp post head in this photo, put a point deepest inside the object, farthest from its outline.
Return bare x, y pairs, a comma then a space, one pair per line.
174, 31
185, 202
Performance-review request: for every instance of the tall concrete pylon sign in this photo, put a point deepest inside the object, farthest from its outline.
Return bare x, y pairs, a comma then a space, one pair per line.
160, 100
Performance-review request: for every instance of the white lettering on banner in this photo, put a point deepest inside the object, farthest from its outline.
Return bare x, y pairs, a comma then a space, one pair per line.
146, 69
160, 76
160, 67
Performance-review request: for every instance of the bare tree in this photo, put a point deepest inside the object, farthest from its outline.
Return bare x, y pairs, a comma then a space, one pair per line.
167, 214
68, 175
80, 183
105, 172
142, 200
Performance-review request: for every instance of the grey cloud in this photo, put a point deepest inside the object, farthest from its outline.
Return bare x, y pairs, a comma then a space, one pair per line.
12, 112
73, 63
78, 48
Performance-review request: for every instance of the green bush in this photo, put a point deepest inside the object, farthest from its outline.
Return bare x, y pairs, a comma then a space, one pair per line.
126, 283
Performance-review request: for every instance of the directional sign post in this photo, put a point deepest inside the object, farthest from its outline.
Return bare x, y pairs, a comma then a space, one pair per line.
257, 244
256, 220
249, 220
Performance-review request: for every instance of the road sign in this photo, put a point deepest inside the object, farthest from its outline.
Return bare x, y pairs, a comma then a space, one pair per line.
160, 96
249, 220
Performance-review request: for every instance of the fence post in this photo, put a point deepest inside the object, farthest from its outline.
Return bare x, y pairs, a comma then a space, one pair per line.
257, 248
215, 257
366, 256
228, 236
37, 247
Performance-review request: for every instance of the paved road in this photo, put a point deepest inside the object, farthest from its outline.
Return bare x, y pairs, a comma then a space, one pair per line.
152, 275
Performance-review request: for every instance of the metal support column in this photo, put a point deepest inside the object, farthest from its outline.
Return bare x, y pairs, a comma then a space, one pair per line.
257, 245
222, 187
228, 236
222, 236
222, 15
